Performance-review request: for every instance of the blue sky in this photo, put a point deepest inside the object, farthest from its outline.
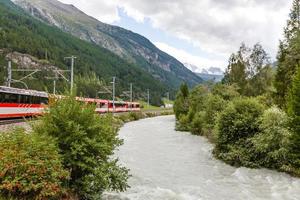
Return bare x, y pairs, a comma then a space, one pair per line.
199, 32
168, 42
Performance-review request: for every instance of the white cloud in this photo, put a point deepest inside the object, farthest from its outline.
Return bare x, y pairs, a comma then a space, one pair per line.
186, 57
217, 26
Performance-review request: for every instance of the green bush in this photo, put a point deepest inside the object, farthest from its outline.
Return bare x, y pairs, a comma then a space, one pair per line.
183, 124
30, 166
86, 141
272, 143
227, 92
197, 98
136, 116
198, 123
214, 104
235, 126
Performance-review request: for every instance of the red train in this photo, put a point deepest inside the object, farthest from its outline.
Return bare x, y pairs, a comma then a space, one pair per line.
17, 103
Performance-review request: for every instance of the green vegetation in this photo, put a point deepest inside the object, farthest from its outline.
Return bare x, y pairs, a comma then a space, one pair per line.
86, 142
287, 57
68, 154
25, 34
253, 116
30, 166
294, 113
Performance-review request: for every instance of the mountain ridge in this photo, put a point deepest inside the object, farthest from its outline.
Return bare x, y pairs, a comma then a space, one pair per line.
124, 43
20, 32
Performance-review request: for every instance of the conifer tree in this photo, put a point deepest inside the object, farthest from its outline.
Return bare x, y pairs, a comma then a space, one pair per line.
181, 104
286, 62
294, 113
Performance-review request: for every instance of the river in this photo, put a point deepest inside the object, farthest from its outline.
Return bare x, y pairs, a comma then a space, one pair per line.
170, 165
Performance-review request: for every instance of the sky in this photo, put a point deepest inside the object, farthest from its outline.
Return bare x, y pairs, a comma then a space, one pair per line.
200, 32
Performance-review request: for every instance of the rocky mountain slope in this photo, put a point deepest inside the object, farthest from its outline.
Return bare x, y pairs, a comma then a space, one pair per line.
124, 43
29, 39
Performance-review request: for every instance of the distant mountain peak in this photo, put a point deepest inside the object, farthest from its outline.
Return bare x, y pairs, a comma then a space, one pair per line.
209, 70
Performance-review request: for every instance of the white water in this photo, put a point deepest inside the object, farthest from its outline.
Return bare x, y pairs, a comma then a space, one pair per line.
168, 165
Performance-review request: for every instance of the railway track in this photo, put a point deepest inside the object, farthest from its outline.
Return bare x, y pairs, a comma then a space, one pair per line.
11, 121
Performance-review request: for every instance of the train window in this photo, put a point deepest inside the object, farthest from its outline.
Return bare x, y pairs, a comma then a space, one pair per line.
2, 97
103, 105
24, 99
13, 98
44, 100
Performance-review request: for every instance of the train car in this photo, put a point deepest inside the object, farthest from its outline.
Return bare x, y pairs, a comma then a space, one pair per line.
104, 106
18, 103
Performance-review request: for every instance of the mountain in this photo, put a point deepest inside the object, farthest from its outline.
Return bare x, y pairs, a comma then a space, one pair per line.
22, 33
211, 77
214, 71
192, 67
124, 43
211, 74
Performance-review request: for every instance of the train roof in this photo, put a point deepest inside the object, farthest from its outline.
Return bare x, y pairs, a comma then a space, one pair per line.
11, 90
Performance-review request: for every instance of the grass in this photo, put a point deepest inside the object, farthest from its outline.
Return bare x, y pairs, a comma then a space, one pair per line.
144, 107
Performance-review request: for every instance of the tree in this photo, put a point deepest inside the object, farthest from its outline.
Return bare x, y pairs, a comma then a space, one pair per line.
293, 24
294, 113
86, 142
250, 70
181, 104
236, 72
88, 85
287, 56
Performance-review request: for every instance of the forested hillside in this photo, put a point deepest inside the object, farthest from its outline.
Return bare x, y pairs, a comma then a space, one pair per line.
22, 33
129, 45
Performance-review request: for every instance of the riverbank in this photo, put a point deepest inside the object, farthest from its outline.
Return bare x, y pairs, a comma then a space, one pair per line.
246, 131
169, 164
43, 159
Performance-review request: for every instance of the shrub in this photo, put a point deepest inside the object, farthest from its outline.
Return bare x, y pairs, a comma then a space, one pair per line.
235, 125
214, 104
136, 116
30, 166
227, 92
86, 141
198, 123
183, 123
197, 98
272, 143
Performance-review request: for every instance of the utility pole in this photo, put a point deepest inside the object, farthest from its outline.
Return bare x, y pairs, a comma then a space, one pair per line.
130, 96
114, 83
168, 96
148, 97
54, 82
9, 74
72, 71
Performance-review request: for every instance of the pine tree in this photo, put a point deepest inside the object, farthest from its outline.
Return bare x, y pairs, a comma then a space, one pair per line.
181, 104
294, 113
293, 24
286, 63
